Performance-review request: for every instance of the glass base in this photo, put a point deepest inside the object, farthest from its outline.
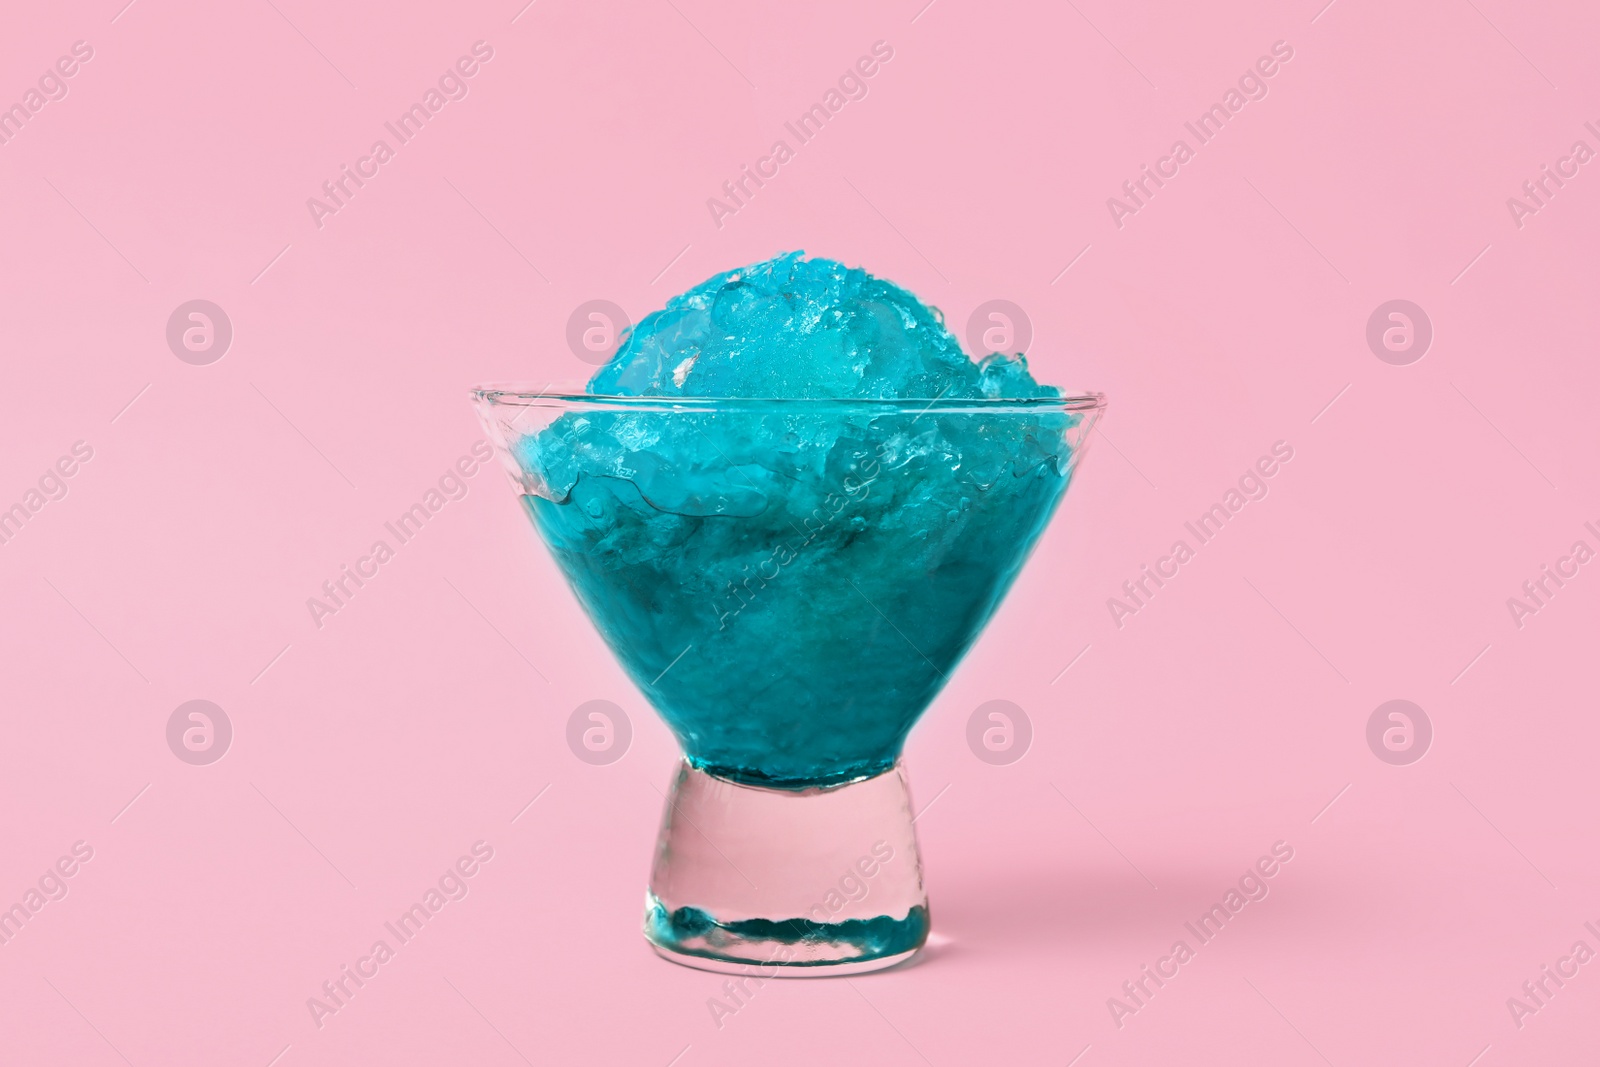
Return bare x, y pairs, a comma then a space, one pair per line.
835, 969
776, 882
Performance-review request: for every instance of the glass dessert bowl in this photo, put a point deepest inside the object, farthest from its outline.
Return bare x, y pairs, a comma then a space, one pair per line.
790, 583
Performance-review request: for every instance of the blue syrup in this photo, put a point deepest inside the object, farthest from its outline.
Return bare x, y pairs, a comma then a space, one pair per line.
693, 932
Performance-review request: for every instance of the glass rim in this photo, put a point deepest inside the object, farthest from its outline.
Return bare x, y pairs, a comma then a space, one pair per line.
521, 396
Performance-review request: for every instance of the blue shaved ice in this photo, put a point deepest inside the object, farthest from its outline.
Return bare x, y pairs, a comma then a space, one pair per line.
791, 581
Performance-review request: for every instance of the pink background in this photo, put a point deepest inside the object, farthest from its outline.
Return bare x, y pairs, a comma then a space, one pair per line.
1224, 316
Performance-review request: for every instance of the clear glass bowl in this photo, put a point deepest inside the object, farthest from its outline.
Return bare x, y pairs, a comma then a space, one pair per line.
790, 583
